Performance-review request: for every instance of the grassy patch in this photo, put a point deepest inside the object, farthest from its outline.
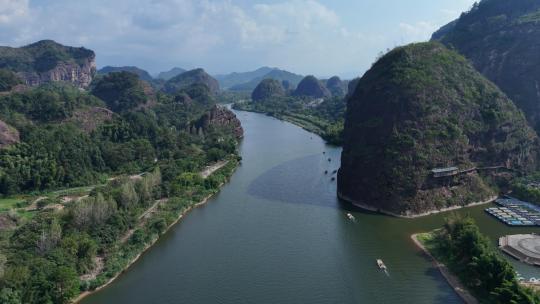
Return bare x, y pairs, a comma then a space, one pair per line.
7, 204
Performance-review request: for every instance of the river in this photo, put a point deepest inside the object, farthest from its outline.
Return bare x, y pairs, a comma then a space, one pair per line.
277, 234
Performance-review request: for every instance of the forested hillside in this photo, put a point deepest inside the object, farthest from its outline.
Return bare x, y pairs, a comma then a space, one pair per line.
79, 169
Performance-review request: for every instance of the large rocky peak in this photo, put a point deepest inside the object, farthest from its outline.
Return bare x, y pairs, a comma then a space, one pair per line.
423, 107
311, 87
47, 61
184, 80
502, 40
218, 116
268, 88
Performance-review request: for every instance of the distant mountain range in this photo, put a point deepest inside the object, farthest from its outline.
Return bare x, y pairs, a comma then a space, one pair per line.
248, 81
227, 81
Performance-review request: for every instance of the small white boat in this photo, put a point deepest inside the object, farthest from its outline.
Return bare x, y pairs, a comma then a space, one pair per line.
350, 216
381, 265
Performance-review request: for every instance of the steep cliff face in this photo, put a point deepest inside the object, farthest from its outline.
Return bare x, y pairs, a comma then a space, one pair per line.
422, 107
501, 38
47, 61
218, 117
8, 135
184, 80
268, 88
311, 87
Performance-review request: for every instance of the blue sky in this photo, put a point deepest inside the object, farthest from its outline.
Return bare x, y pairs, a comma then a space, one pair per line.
320, 37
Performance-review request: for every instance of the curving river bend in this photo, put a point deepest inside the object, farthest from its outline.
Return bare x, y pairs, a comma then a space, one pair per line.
278, 234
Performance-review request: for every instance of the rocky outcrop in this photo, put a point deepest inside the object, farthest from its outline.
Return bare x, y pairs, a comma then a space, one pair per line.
311, 87
8, 135
501, 38
47, 61
336, 87
422, 107
268, 88
187, 79
220, 117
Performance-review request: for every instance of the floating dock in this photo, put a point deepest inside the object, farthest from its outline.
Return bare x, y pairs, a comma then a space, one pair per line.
514, 212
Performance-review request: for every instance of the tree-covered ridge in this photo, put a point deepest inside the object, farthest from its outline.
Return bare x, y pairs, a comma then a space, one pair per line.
500, 38
121, 91
57, 150
42, 56
472, 257
422, 107
142, 74
137, 155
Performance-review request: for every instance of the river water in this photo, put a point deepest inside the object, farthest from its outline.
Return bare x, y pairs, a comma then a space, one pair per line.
277, 234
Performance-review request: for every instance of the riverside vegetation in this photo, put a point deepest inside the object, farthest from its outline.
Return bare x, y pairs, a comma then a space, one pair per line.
313, 109
131, 159
472, 257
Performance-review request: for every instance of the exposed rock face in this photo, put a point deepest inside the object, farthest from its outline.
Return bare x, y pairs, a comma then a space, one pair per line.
47, 61
268, 88
311, 87
143, 75
422, 107
501, 38
8, 135
184, 80
336, 86
218, 117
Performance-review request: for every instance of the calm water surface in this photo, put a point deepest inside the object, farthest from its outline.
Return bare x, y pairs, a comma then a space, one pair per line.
278, 234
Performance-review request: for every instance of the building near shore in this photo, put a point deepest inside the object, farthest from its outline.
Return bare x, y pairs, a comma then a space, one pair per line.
524, 247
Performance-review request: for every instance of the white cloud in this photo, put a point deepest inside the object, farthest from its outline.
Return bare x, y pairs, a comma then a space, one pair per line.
221, 35
11, 10
419, 31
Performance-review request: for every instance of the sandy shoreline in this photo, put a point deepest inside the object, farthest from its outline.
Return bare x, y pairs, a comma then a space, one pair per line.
382, 211
147, 247
452, 280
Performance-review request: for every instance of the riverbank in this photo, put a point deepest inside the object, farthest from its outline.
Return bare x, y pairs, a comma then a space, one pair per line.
413, 216
452, 280
184, 212
309, 123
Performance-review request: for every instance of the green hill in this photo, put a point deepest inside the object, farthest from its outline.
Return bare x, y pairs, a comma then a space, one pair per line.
501, 39
189, 78
422, 107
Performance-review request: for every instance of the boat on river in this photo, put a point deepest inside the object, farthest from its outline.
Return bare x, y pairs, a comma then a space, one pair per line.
381, 265
350, 216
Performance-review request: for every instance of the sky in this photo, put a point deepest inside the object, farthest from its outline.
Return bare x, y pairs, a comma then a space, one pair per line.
319, 37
